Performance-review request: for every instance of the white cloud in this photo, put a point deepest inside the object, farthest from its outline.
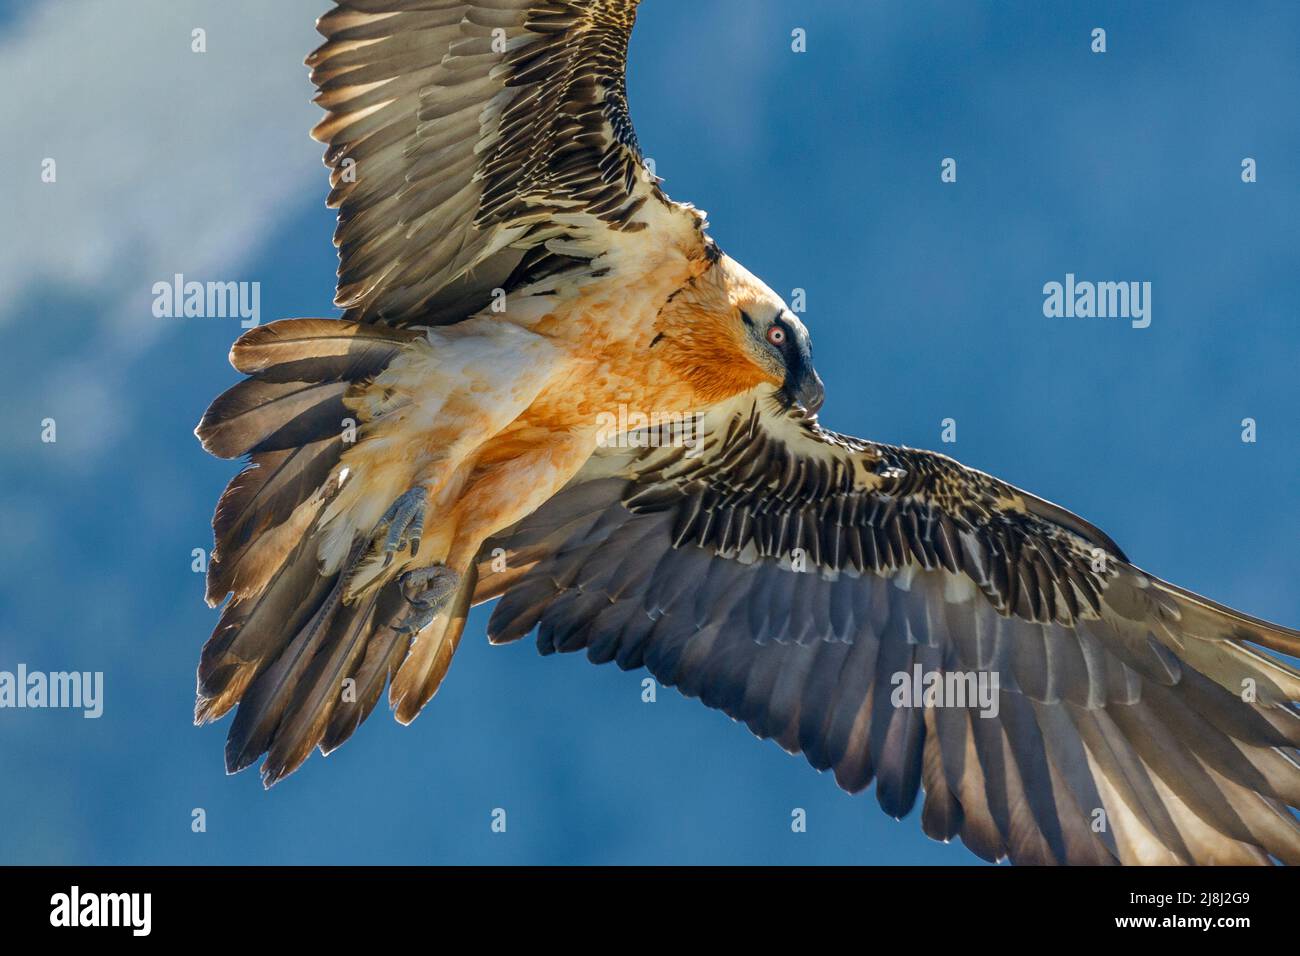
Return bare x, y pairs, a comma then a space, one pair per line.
167, 160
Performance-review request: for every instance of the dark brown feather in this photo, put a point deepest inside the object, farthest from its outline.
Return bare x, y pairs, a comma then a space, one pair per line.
1102, 713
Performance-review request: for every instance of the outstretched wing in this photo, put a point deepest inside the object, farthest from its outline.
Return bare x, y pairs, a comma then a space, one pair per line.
477, 146
1130, 720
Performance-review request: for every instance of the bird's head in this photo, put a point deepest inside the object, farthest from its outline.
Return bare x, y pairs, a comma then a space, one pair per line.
728, 332
773, 339
779, 343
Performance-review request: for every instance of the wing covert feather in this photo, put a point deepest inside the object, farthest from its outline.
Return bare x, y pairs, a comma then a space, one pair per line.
788, 576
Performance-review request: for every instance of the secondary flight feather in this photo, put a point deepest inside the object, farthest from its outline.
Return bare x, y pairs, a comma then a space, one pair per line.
512, 276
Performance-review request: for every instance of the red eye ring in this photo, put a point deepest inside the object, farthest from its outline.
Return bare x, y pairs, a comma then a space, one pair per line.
776, 335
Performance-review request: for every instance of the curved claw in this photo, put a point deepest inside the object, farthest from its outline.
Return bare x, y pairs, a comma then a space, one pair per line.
401, 525
416, 621
427, 590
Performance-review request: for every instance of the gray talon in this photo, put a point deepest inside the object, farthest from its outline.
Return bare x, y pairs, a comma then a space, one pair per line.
402, 525
427, 590
416, 622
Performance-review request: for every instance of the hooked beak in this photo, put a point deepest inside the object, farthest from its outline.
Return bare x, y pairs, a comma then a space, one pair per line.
807, 394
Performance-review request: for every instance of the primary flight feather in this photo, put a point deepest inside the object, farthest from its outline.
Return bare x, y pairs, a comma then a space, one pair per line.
514, 281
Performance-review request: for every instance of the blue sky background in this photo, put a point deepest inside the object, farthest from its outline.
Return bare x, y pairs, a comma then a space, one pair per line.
820, 171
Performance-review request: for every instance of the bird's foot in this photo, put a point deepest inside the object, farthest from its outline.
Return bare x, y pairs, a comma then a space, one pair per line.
427, 590
402, 526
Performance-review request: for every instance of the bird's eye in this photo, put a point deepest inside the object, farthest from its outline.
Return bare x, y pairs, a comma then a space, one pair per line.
776, 335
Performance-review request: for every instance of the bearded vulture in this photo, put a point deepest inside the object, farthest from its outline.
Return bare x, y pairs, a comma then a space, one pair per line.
550, 387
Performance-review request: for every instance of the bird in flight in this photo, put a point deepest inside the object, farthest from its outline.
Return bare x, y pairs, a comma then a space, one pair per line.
550, 387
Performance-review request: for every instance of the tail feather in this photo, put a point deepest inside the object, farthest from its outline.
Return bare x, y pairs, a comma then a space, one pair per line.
257, 416
317, 350
253, 631
320, 690
290, 416
421, 674
288, 640
378, 665
300, 372
259, 499
264, 703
